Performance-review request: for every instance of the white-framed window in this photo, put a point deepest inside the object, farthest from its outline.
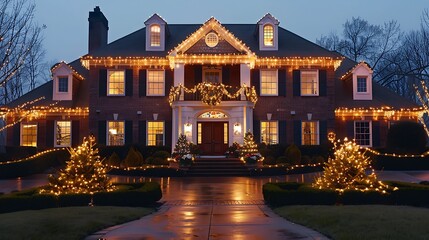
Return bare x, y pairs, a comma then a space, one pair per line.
29, 134
268, 35
115, 82
310, 133
155, 35
115, 133
63, 84
155, 83
211, 39
212, 74
309, 83
62, 133
155, 133
269, 83
362, 85
269, 132
363, 133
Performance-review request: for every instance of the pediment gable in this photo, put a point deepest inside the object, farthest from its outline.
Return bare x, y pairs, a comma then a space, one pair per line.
196, 42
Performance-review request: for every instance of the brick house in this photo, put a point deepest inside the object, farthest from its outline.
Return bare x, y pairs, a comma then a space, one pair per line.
212, 82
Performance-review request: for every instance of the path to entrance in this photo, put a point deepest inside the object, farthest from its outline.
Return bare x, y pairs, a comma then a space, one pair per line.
210, 208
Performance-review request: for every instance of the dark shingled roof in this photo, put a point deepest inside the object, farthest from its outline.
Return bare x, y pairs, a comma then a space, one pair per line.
81, 99
381, 96
290, 44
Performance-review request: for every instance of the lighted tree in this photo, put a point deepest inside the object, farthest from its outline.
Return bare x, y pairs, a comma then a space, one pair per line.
347, 171
182, 146
249, 146
84, 173
422, 93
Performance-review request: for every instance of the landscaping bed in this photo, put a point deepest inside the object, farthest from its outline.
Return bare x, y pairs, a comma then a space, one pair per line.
131, 194
150, 172
290, 193
268, 170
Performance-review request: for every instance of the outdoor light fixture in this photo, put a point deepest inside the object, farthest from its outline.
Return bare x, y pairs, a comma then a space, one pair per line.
309, 116
237, 128
292, 113
115, 116
155, 116
139, 112
269, 115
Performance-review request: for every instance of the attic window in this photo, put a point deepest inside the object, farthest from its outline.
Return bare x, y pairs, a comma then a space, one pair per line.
268, 35
212, 39
155, 36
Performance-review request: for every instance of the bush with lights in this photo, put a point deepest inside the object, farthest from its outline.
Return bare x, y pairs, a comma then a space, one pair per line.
85, 172
347, 171
249, 150
182, 151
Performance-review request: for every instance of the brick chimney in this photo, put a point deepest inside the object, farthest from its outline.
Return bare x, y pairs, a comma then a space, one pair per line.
98, 28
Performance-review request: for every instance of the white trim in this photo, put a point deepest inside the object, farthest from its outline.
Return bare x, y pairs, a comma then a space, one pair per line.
370, 132
163, 133
276, 82
317, 82
20, 131
108, 81
212, 69
147, 83
107, 133
317, 133
55, 133
62, 71
155, 20
268, 19
362, 71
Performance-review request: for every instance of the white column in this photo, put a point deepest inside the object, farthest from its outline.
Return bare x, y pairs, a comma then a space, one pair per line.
175, 127
179, 77
244, 77
249, 119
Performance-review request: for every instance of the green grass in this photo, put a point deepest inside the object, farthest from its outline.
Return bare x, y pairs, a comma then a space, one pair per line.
64, 223
362, 222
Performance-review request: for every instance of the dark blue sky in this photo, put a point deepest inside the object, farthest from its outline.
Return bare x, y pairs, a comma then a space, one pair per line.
67, 21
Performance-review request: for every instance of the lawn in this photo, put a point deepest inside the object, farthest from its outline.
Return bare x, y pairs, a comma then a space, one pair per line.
362, 222
64, 223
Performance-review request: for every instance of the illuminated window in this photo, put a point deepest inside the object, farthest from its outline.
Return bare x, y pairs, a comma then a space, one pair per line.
200, 133
63, 133
268, 35
361, 85
212, 75
363, 133
310, 133
155, 36
116, 83
225, 133
269, 132
213, 114
29, 134
269, 82
155, 133
212, 39
309, 83
115, 132
63, 84
155, 83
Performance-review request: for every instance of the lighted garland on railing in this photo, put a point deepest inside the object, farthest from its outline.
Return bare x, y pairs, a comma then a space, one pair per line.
144, 168
212, 93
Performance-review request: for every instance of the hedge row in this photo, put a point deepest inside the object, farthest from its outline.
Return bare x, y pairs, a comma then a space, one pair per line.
279, 194
400, 163
36, 165
122, 151
132, 194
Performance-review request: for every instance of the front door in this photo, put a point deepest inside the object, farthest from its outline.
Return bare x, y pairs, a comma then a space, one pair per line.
213, 138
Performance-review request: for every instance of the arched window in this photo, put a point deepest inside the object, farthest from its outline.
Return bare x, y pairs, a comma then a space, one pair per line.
268, 35
155, 36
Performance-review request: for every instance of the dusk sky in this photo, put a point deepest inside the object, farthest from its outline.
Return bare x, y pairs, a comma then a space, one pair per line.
65, 37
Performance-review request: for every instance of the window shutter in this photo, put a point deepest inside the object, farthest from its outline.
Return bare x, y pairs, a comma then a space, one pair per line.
17, 134
350, 126
102, 81
296, 83
257, 131
255, 81
142, 82
198, 73
282, 132
167, 133
50, 133
128, 132
322, 83
282, 82
225, 75
376, 133
102, 133
297, 132
323, 132
168, 81
75, 133
142, 132
128, 82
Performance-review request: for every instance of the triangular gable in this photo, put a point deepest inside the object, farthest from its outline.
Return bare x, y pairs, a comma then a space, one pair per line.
211, 25
268, 18
354, 68
65, 67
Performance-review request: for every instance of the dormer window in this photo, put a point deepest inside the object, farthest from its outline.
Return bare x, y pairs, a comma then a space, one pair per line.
362, 81
63, 84
155, 35
362, 86
268, 35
